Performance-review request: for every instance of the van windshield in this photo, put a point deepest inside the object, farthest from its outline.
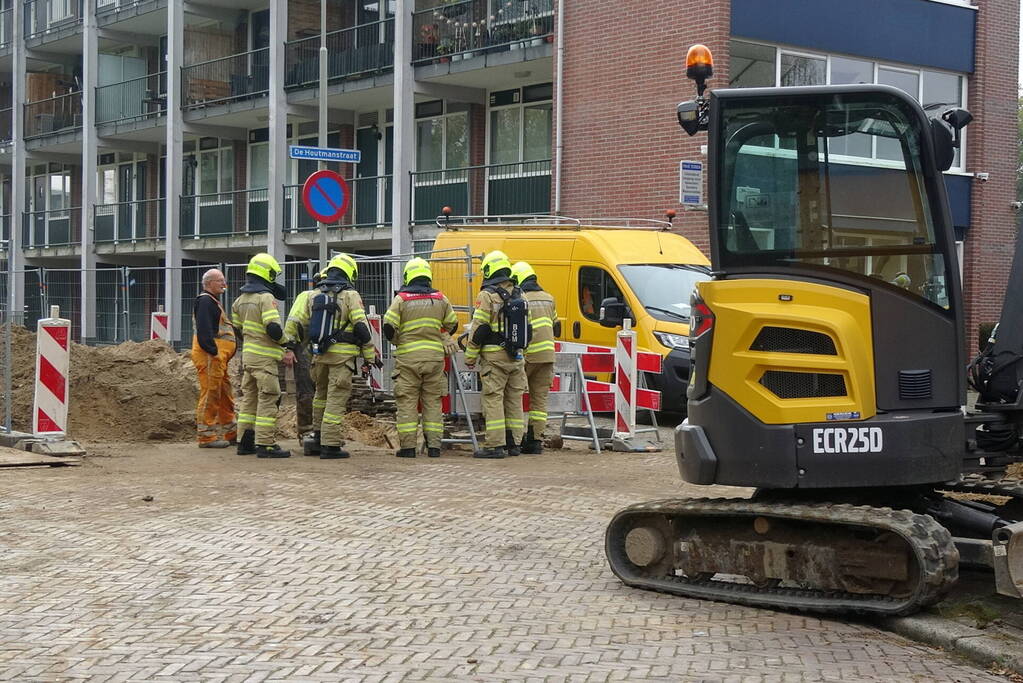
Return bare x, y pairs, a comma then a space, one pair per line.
664, 288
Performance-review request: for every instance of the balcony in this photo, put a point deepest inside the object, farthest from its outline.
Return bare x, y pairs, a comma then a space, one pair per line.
54, 228
497, 189
240, 213
53, 115
6, 127
226, 79
6, 27
351, 53
131, 222
461, 30
44, 17
370, 205
132, 100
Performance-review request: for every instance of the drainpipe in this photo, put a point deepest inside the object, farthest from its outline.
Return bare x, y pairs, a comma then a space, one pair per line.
558, 144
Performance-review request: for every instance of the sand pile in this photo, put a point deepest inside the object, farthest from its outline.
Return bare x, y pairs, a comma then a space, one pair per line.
144, 392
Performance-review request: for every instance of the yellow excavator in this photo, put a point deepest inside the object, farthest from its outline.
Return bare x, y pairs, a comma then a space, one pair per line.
829, 368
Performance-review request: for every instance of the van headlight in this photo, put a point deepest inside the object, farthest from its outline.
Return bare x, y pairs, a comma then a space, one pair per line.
673, 341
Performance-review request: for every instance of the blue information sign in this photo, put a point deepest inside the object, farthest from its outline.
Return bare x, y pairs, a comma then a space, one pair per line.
347, 156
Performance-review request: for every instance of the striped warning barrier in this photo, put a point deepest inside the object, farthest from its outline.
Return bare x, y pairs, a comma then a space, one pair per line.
53, 361
159, 325
376, 375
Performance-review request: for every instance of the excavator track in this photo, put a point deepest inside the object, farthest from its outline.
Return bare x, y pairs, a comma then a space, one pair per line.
979, 483
823, 558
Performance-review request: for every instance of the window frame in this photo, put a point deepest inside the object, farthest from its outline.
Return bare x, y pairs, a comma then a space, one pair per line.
607, 275
521, 105
445, 174
877, 65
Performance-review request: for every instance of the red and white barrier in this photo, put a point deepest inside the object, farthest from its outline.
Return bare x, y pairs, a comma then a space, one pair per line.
53, 362
376, 375
159, 325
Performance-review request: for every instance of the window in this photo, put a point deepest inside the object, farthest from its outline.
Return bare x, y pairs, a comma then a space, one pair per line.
259, 165
214, 171
595, 285
60, 191
61, 10
755, 65
520, 126
106, 189
442, 140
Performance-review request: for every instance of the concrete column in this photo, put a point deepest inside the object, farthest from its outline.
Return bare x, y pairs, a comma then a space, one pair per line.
278, 124
172, 258
404, 133
90, 64
16, 288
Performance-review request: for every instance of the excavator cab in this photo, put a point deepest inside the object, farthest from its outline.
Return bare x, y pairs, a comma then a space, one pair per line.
828, 367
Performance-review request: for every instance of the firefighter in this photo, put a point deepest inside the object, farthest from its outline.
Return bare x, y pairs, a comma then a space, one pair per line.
336, 324
305, 388
419, 323
255, 312
213, 346
539, 355
501, 372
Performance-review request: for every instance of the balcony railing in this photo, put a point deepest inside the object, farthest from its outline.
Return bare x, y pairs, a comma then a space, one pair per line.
225, 79
351, 52
6, 128
370, 205
109, 6
496, 189
224, 214
135, 99
54, 228
42, 16
459, 30
6, 26
53, 115
130, 221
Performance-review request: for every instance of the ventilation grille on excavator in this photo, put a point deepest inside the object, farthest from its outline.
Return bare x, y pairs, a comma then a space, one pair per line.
785, 384
914, 384
789, 340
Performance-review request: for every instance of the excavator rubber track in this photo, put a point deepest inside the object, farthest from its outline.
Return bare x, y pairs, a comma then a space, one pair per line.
823, 558
979, 483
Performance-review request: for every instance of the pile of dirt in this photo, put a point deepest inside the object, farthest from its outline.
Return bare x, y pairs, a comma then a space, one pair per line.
129, 392
145, 392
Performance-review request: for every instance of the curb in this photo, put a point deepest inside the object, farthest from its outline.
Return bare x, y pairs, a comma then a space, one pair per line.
973, 644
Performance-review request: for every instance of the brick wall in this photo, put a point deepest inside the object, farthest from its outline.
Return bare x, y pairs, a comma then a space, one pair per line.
304, 17
991, 148
623, 77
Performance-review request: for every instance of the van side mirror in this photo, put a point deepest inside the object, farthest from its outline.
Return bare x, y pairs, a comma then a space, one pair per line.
612, 312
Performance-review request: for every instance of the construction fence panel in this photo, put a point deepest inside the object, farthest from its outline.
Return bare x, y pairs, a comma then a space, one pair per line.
144, 289
35, 296
7, 322
110, 306
63, 288
191, 286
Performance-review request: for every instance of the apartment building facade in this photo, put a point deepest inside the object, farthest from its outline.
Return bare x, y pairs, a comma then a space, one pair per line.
487, 106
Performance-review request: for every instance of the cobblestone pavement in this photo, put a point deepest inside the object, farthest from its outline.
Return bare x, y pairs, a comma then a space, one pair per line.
376, 569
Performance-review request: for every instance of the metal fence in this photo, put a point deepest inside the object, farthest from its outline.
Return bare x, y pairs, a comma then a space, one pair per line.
53, 115
134, 99
462, 30
355, 51
235, 77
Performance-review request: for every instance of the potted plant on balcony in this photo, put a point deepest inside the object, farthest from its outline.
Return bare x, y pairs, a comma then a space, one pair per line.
428, 36
444, 50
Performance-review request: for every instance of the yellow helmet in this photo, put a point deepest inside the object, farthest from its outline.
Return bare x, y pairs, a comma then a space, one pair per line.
265, 266
346, 264
493, 262
416, 267
521, 272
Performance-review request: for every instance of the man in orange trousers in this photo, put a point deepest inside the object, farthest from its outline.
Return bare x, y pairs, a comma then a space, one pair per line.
213, 346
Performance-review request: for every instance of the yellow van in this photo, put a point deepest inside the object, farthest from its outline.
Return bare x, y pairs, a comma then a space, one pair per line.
588, 266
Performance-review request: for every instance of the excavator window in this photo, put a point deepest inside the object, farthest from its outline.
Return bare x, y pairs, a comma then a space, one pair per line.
791, 195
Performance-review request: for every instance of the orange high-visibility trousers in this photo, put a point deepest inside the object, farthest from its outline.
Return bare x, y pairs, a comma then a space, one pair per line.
214, 414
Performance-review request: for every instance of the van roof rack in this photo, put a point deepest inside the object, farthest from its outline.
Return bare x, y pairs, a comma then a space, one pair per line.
548, 222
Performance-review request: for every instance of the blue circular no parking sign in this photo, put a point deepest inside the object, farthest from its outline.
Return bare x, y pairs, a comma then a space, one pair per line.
326, 196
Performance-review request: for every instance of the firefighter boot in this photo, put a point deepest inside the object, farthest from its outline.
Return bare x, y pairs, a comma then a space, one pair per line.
272, 451
509, 443
433, 452
530, 444
247, 444
406, 453
332, 452
311, 444
495, 453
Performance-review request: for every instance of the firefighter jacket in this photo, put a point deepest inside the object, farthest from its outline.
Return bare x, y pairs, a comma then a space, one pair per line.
294, 329
487, 314
255, 313
542, 316
420, 315
350, 315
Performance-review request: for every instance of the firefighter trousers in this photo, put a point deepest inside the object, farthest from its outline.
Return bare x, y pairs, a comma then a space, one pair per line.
333, 387
261, 390
504, 381
538, 378
419, 383
214, 413
305, 391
